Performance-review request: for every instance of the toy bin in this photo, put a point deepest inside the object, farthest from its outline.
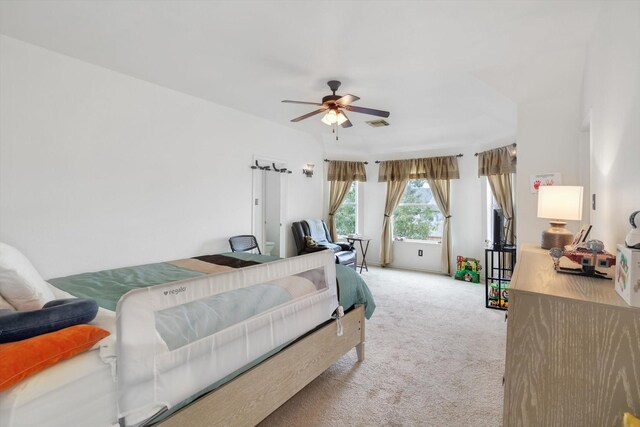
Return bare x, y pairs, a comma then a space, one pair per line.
627, 276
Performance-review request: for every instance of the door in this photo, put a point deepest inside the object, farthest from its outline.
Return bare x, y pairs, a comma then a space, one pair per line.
268, 202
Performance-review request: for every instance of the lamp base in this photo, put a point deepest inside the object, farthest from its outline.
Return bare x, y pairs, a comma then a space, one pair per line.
557, 236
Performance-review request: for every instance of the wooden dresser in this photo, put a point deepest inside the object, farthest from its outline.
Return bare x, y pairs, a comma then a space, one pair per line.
573, 349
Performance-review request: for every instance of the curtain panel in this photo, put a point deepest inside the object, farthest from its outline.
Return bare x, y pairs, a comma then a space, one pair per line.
341, 174
498, 165
441, 194
346, 171
395, 190
499, 161
424, 168
337, 194
502, 189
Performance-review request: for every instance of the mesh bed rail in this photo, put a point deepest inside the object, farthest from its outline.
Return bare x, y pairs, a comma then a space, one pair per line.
177, 339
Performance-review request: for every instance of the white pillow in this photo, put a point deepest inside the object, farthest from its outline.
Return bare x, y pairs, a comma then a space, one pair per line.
4, 305
20, 283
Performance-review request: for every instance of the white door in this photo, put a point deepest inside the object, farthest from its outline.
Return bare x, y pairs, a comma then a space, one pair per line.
268, 205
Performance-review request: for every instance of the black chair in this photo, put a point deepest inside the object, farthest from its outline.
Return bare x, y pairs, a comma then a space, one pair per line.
243, 243
345, 252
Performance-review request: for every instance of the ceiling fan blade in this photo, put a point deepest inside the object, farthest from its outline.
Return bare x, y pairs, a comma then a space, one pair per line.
302, 102
347, 99
306, 116
370, 111
348, 123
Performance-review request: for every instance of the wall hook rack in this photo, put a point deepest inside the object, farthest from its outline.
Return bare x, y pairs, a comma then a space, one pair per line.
269, 168
283, 170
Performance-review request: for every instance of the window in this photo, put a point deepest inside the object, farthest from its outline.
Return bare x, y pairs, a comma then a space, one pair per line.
417, 217
347, 213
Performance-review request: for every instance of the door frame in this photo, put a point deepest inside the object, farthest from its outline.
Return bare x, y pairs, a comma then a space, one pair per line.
257, 196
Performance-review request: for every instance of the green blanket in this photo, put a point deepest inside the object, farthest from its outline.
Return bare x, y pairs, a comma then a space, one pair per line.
108, 286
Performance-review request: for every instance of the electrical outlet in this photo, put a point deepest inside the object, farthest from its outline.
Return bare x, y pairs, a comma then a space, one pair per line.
419, 252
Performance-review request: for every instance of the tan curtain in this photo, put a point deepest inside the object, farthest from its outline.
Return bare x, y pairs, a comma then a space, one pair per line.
502, 189
394, 170
341, 174
346, 171
397, 173
425, 168
395, 190
498, 166
435, 168
498, 161
441, 193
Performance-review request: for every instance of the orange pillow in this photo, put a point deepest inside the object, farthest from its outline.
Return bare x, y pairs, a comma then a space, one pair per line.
20, 359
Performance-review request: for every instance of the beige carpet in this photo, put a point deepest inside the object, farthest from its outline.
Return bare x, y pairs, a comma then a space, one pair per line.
434, 357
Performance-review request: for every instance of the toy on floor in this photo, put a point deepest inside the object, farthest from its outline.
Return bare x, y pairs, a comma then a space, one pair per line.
467, 269
499, 295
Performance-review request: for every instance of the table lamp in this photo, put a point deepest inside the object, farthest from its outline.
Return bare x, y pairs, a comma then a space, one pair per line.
559, 203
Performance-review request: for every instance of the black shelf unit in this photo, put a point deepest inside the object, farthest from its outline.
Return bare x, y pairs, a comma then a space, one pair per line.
499, 262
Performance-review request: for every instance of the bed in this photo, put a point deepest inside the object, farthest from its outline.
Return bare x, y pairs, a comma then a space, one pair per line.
252, 375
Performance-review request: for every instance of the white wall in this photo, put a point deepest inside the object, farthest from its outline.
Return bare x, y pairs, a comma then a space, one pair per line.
101, 170
551, 128
611, 92
568, 90
548, 141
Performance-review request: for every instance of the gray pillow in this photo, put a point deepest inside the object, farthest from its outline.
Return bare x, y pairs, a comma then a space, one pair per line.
55, 315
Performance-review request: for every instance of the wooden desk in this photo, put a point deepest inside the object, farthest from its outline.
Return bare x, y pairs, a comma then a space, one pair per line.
573, 349
363, 250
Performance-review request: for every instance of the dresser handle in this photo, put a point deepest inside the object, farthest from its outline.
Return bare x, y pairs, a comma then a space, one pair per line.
506, 316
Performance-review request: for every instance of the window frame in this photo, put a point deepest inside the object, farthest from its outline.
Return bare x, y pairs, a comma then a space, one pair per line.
356, 203
431, 239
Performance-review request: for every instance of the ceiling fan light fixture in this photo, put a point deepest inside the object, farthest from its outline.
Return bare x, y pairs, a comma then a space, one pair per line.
341, 118
330, 118
334, 116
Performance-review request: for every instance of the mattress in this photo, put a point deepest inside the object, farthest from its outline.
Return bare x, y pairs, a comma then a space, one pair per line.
82, 390
76, 392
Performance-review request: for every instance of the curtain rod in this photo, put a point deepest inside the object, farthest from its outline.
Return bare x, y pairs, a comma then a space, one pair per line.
327, 160
513, 145
457, 155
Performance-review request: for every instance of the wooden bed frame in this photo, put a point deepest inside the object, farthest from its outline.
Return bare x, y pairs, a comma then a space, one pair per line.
252, 396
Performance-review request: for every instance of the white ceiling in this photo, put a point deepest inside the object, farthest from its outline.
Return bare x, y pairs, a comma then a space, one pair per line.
434, 65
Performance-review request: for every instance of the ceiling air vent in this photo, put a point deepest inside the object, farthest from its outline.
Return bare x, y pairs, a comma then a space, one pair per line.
378, 123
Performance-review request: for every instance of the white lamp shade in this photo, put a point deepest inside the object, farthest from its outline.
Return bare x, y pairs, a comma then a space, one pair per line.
330, 118
341, 118
561, 202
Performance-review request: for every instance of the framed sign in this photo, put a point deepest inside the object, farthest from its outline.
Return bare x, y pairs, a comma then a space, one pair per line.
537, 181
581, 236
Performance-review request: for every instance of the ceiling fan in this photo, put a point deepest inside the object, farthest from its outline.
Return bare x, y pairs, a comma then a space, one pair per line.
334, 106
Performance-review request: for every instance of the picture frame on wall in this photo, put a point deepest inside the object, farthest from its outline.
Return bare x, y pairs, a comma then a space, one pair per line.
538, 180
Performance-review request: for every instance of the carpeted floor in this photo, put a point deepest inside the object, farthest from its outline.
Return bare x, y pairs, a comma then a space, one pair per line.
434, 357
